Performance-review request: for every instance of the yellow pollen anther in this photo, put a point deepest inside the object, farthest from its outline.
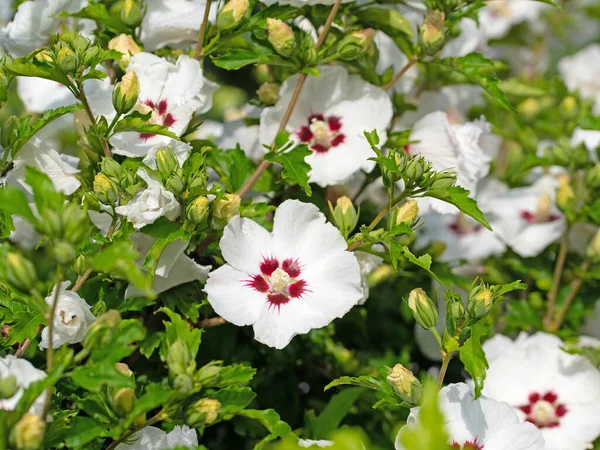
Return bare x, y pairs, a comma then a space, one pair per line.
543, 412
320, 131
279, 280
542, 210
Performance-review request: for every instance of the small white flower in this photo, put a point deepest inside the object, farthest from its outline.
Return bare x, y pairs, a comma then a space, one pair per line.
499, 16
580, 73
527, 218
308, 443
150, 203
25, 374
450, 146
556, 391
172, 22
61, 169
174, 267
71, 318
152, 438
287, 282
333, 112
481, 424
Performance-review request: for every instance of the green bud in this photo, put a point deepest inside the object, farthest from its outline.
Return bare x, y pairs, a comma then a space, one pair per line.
102, 330
232, 13
45, 56
268, 93
90, 55
125, 45
203, 412
207, 374
197, 210
356, 44
63, 252
183, 382
124, 401
9, 132
28, 433
593, 249
21, 272
179, 358
407, 212
110, 168
414, 169
131, 13
175, 184
432, 32
8, 387
67, 59
166, 162
51, 223
457, 310
344, 215
405, 384
423, 309
481, 301
74, 219
106, 191
281, 37
226, 208
126, 93
443, 180
568, 107
565, 194
529, 108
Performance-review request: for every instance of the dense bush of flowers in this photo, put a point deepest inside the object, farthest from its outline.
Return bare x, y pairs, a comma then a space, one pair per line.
286, 224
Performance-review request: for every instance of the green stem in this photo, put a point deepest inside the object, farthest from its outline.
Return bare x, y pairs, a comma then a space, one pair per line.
200, 45
112, 125
556, 279
445, 361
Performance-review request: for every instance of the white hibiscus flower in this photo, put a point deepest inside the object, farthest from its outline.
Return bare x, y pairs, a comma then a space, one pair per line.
478, 424
172, 23
287, 282
556, 391
330, 117
527, 218
150, 203
499, 16
580, 73
308, 443
152, 438
72, 318
391, 55
174, 267
24, 374
589, 138
450, 146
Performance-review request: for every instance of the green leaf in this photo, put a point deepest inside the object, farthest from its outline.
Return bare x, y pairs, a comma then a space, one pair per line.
179, 329
333, 414
429, 433
24, 67
25, 326
14, 201
93, 377
128, 332
473, 356
236, 58
84, 430
233, 399
151, 343
118, 258
459, 197
154, 396
513, 86
99, 13
138, 122
233, 166
295, 169
272, 422
500, 290
480, 70
44, 194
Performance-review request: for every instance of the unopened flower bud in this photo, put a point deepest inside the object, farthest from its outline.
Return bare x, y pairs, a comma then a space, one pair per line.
9, 132
179, 357
414, 169
166, 162
568, 107
175, 184
281, 37
126, 93
423, 309
407, 212
529, 108
131, 13
204, 412
21, 271
28, 433
63, 252
67, 59
356, 44
124, 369
480, 302
106, 191
183, 382
232, 13
125, 45
226, 208
405, 384
268, 93
443, 180
565, 194
432, 33
344, 215
124, 401
593, 249
44, 56
197, 210
207, 374
110, 168
102, 330
8, 387
90, 55
75, 220
457, 310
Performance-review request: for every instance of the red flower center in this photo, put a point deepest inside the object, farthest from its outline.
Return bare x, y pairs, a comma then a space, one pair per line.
160, 116
531, 217
468, 445
544, 411
463, 225
280, 282
322, 133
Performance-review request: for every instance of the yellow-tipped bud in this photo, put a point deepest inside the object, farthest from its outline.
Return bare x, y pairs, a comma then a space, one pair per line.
406, 385
356, 44
124, 401
565, 194
166, 162
124, 369
126, 93
268, 93
423, 309
232, 13
131, 13
281, 36
344, 215
197, 210
204, 412
480, 302
28, 433
407, 212
67, 59
226, 208
125, 45
432, 33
